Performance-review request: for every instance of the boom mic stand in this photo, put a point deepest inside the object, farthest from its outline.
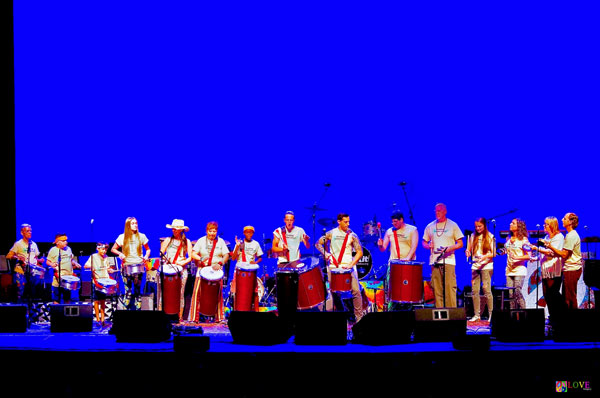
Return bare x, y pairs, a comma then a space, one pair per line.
314, 208
410, 212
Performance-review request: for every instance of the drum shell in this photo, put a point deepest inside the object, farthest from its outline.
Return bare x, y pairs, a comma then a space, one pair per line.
287, 291
311, 288
37, 271
245, 289
341, 280
406, 283
132, 269
210, 290
106, 289
171, 293
69, 283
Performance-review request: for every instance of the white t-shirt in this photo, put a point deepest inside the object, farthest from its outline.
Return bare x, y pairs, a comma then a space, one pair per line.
404, 241
573, 243
133, 257
99, 266
515, 267
337, 237
294, 238
252, 250
442, 234
477, 251
173, 247
66, 267
552, 265
204, 246
20, 247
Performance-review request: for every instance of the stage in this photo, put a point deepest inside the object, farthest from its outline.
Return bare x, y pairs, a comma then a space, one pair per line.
95, 364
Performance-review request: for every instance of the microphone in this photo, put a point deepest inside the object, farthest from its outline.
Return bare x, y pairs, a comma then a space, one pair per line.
402, 183
92, 221
493, 221
327, 185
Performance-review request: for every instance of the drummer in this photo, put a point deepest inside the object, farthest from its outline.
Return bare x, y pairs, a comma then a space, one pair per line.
246, 251
132, 241
61, 259
287, 239
342, 241
405, 240
26, 252
101, 269
209, 251
177, 250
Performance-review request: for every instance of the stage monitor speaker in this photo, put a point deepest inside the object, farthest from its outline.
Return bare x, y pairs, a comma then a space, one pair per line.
13, 318
86, 289
258, 328
591, 273
440, 324
577, 326
321, 328
519, 325
384, 328
190, 343
71, 318
141, 326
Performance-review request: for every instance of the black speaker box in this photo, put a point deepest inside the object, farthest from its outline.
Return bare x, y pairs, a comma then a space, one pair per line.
577, 326
440, 324
522, 325
13, 318
141, 326
71, 318
591, 273
191, 343
321, 328
384, 328
258, 328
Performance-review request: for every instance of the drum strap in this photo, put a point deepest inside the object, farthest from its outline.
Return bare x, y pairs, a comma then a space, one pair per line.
242, 246
212, 251
397, 245
283, 233
342, 250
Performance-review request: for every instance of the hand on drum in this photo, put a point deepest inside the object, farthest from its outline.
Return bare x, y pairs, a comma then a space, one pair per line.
217, 267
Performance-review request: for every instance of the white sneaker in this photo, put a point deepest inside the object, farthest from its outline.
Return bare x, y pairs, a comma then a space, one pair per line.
475, 319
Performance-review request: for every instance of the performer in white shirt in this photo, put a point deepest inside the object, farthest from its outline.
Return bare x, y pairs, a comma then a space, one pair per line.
341, 243
26, 252
404, 239
442, 238
287, 239
247, 250
516, 261
61, 259
481, 247
572, 260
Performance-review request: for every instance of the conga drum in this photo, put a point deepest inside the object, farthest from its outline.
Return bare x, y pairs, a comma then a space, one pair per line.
245, 286
406, 281
210, 290
341, 280
311, 288
171, 288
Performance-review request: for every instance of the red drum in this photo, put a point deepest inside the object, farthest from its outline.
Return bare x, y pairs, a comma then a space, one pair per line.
406, 281
341, 280
245, 286
210, 290
171, 288
311, 289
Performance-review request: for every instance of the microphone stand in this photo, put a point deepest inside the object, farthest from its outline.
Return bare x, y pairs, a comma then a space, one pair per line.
410, 212
538, 269
314, 213
325, 277
443, 271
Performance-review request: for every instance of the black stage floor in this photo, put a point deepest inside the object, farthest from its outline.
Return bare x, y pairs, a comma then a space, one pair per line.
41, 363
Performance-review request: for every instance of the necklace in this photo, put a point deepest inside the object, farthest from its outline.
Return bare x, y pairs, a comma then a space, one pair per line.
443, 229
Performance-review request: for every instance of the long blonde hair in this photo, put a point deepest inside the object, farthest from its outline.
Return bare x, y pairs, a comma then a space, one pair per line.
128, 234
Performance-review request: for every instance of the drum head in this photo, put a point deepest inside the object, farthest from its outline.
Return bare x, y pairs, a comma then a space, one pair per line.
246, 266
107, 281
70, 278
339, 270
170, 269
365, 264
210, 274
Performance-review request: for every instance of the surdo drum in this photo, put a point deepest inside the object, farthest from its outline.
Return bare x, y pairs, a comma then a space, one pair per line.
406, 281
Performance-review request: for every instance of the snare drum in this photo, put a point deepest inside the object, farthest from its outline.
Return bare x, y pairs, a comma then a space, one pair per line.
341, 280
106, 285
406, 281
245, 286
37, 271
132, 269
171, 288
69, 282
311, 288
210, 290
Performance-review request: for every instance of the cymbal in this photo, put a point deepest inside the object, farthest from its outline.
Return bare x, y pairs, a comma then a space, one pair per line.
591, 239
315, 208
326, 222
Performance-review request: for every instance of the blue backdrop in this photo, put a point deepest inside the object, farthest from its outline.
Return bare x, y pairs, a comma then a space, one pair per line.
237, 113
